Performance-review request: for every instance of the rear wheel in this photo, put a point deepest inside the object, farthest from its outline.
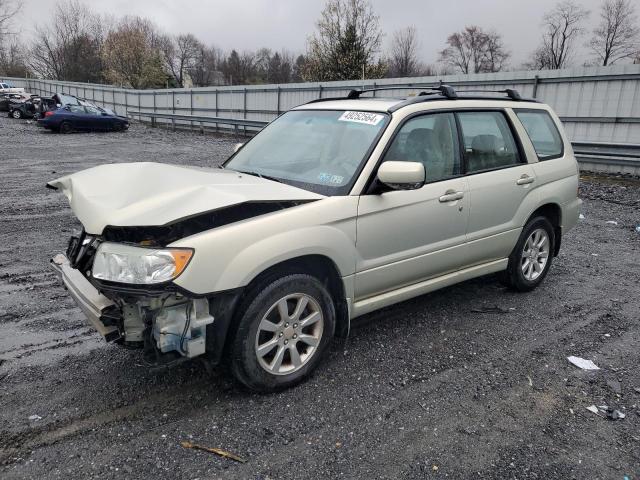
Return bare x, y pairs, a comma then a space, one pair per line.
65, 127
531, 258
17, 114
284, 330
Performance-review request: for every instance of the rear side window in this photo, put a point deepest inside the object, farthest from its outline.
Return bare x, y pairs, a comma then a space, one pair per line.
543, 133
488, 141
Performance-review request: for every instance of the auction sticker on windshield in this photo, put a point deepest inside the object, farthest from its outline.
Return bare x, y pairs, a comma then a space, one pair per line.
361, 117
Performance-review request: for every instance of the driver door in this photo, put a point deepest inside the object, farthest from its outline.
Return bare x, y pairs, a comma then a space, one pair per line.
408, 236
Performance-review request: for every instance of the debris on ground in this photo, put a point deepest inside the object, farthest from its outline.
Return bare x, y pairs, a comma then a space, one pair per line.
35, 418
638, 228
217, 451
606, 412
615, 386
612, 222
583, 363
581, 217
492, 309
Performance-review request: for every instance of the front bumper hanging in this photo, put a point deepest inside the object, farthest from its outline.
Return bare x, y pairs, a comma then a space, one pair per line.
92, 303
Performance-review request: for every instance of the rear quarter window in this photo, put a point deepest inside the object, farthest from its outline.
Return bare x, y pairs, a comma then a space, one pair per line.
543, 133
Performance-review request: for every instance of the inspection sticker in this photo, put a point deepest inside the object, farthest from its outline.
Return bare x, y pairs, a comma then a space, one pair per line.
361, 117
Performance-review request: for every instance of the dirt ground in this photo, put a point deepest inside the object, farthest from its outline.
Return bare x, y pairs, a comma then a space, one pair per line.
430, 388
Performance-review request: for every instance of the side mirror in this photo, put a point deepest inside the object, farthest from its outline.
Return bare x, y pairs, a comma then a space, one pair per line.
237, 147
402, 175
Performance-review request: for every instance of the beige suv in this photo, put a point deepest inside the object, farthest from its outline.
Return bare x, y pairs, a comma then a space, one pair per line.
337, 208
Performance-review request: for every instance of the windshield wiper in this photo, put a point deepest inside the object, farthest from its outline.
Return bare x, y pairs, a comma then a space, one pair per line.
268, 177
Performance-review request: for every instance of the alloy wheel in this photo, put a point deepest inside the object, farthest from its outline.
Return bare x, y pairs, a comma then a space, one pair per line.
535, 254
289, 334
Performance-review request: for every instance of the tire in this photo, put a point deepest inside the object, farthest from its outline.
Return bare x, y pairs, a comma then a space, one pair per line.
65, 128
532, 256
277, 366
17, 114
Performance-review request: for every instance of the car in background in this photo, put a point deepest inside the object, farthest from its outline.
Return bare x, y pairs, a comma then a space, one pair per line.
8, 88
73, 118
33, 107
7, 98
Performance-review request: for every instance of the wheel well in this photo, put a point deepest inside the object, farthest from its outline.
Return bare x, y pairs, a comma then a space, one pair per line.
325, 270
553, 213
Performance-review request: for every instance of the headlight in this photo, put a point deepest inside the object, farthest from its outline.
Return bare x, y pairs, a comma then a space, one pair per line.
116, 262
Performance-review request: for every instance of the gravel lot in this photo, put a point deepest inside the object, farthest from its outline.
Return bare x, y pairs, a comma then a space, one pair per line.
430, 388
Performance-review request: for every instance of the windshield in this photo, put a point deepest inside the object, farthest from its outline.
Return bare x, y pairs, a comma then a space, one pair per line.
318, 150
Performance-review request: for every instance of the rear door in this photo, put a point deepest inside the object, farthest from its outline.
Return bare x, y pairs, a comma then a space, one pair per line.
501, 184
407, 236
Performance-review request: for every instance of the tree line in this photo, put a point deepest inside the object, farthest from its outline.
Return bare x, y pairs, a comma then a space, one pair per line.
77, 44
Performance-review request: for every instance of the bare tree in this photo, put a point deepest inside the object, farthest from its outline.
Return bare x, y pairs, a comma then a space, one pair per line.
562, 27
617, 36
474, 50
69, 48
403, 61
180, 54
8, 11
346, 43
206, 67
132, 54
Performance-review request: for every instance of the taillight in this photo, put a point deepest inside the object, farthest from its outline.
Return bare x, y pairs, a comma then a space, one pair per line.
48, 114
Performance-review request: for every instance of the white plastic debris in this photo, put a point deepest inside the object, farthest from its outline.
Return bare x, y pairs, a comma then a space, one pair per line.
606, 412
582, 363
638, 229
612, 222
581, 217
35, 418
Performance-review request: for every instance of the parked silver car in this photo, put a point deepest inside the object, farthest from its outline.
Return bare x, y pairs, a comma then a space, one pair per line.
337, 208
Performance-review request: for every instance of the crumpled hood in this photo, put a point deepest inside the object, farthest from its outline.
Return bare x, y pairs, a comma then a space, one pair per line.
151, 194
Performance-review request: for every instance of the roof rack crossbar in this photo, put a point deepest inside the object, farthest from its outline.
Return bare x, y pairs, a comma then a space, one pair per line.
510, 92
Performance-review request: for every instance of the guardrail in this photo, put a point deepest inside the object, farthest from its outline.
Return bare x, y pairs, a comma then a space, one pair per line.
592, 156
178, 120
608, 157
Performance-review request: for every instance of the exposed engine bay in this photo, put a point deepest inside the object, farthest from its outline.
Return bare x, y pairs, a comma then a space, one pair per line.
167, 324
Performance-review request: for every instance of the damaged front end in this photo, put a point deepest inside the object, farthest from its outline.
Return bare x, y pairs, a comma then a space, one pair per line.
168, 324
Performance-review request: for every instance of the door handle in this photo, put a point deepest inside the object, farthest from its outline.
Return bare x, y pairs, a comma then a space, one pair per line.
451, 196
525, 179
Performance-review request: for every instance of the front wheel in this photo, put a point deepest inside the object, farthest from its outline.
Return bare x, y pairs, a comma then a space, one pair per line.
531, 258
284, 330
17, 114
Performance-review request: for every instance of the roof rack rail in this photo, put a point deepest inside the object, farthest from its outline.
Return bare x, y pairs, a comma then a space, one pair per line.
428, 92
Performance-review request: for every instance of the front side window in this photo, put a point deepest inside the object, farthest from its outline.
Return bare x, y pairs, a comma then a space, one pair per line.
318, 150
431, 140
543, 133
93, 111
488, 141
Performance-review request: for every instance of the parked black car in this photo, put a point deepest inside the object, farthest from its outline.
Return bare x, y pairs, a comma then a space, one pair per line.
7, 98
34, 107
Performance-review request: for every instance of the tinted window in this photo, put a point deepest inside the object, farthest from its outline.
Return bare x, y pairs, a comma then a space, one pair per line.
431, 140
543, 133
93, 111
76, 109
488, 142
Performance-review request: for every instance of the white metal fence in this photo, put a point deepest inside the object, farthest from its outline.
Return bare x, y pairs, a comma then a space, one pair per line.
595, 103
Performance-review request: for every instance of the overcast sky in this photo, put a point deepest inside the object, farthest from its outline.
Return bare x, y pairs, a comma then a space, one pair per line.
277, 24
